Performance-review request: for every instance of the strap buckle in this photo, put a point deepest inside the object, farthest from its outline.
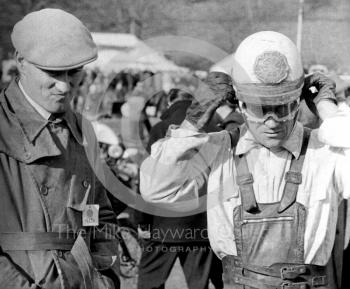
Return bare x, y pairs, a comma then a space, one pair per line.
299, 285
294, 177
319, 281
245, 179
292, 272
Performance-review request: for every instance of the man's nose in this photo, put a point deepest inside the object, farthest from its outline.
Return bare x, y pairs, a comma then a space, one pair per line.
63, 82
270, 122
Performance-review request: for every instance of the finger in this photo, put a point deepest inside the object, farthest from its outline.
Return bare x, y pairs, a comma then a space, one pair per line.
319, 80
328, 86
315, 80
206, 117
327, 90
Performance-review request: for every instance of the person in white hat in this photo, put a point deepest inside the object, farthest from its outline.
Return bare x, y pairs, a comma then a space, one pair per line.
273, 193
56, 218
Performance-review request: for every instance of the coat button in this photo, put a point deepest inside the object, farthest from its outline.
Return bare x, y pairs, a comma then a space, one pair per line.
60, 253
53, 125
44, 190
27, 155
86, 183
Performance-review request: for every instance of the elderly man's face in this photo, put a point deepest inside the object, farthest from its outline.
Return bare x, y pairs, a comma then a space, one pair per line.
50, 89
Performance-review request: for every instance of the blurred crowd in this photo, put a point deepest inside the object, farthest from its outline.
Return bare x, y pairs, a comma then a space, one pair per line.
124, 106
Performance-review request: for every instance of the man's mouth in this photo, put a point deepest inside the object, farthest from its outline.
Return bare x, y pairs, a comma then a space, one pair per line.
60, 97
273, 133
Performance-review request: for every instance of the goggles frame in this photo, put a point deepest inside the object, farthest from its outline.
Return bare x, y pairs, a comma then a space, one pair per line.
290, 116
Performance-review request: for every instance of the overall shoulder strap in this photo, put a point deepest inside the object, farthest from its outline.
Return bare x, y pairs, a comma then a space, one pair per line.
244, 180
294, 177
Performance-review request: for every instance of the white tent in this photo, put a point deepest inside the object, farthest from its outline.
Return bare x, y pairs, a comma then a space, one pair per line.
120, 51
224, 65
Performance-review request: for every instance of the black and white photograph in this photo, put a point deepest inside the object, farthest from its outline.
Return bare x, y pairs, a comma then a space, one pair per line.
185, 144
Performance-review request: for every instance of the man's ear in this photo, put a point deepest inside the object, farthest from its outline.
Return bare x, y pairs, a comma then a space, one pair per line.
20, 62
240, 106
241, 110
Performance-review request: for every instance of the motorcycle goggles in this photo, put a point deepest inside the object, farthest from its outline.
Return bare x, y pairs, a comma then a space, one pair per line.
260, 113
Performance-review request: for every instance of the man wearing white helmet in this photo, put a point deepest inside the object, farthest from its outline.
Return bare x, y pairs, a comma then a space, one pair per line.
273, 194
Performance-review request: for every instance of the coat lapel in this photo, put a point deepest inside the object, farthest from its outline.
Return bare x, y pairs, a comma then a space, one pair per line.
24, 132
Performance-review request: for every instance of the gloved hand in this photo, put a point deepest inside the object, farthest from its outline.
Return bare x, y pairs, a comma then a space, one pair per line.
325, 90
215, 91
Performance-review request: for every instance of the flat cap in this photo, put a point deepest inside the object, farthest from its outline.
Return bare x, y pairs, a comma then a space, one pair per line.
53, 39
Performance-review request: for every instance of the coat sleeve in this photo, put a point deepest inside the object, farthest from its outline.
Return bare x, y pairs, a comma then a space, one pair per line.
104, 246
177, 170
11, 277
334, 132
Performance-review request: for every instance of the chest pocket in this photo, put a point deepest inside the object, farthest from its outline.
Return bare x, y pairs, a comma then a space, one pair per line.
80, 187
81, 190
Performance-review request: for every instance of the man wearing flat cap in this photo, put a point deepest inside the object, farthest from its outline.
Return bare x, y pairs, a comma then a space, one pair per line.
56, 218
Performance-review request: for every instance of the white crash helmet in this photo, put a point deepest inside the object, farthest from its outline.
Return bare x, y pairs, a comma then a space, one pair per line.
267, 69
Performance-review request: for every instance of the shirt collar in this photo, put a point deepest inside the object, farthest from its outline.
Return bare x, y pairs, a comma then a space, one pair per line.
42, 111
32, 121
292, 144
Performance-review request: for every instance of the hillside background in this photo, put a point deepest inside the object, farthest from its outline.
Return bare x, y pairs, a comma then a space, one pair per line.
223, 23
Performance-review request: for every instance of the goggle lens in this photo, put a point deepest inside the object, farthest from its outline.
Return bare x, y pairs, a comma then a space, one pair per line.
278, 112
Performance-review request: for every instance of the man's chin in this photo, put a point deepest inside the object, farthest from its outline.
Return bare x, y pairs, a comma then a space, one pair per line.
272, 143
61, 108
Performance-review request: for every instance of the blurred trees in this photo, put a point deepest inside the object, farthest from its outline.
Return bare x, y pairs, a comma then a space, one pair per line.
316, 4
223, 23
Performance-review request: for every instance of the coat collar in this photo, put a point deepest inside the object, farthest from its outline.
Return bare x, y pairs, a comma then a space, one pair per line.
24, 134
293, 143
42, 111
30, 120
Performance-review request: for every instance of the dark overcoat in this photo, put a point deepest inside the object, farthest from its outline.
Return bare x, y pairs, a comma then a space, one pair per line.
45, 183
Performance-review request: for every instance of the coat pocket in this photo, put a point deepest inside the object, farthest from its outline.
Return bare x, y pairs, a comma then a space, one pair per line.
79, 193
92, 277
